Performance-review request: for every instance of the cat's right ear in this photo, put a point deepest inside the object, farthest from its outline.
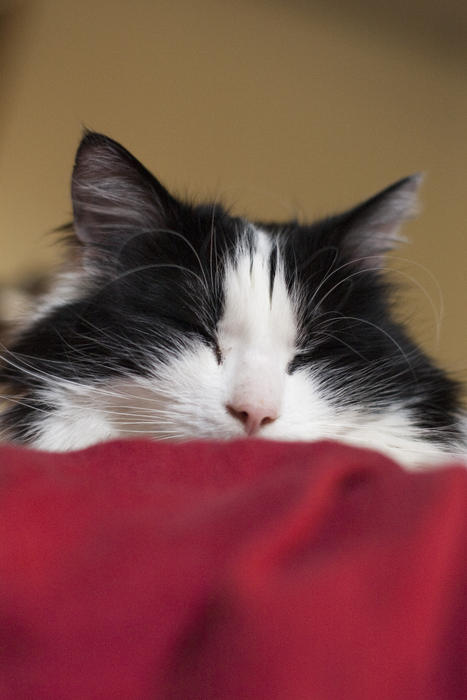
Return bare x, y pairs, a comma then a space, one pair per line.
113, 194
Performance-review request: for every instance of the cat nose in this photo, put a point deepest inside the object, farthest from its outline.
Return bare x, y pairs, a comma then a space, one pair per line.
253, 418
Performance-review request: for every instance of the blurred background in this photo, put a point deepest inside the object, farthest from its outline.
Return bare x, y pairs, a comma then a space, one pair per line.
278, 107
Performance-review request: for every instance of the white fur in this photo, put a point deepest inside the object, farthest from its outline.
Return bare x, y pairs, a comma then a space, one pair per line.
256, 334
190, 397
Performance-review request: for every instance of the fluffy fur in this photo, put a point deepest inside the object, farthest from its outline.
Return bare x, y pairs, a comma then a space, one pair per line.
182, 322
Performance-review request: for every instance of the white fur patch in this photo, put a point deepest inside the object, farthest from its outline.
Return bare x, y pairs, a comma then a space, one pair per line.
256, 334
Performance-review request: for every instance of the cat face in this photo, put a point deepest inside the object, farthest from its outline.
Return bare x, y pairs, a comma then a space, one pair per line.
183, 322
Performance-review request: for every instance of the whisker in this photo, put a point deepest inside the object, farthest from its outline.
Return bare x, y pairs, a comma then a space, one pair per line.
338, 284
339, 340
151, 266
332, 271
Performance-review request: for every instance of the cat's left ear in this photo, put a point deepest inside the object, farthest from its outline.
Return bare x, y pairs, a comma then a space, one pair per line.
113, 194
371, 229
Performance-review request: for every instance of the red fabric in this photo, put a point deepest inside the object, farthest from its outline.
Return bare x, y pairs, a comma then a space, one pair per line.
230, 571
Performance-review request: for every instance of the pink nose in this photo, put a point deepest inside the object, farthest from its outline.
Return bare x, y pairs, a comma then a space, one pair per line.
253, 418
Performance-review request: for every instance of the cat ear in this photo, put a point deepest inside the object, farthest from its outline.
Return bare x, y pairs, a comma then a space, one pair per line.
371, 229
113, 194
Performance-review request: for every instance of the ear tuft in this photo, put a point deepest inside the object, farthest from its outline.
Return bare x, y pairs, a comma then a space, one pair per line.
112, 192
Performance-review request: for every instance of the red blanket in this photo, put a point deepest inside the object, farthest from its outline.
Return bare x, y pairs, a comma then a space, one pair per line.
230, 571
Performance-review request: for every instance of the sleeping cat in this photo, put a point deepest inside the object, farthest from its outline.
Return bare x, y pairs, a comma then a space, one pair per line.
180, 321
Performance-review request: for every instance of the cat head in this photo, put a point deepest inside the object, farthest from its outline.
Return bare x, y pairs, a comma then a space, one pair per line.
181, 322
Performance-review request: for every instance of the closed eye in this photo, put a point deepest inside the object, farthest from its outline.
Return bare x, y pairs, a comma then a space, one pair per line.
189, 328
217, 352
297, 361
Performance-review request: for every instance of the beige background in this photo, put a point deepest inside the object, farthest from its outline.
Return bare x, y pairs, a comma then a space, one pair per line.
277, 107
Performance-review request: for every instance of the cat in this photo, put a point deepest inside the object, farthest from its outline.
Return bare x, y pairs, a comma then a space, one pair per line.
179, 321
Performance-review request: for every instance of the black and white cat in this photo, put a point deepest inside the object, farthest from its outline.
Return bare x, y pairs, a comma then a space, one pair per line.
182, 322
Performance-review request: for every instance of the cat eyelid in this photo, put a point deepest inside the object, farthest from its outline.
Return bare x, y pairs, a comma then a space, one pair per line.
209, 337
218, 353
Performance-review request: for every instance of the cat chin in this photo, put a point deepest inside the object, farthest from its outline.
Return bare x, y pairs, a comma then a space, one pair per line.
58, 436
306, 417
